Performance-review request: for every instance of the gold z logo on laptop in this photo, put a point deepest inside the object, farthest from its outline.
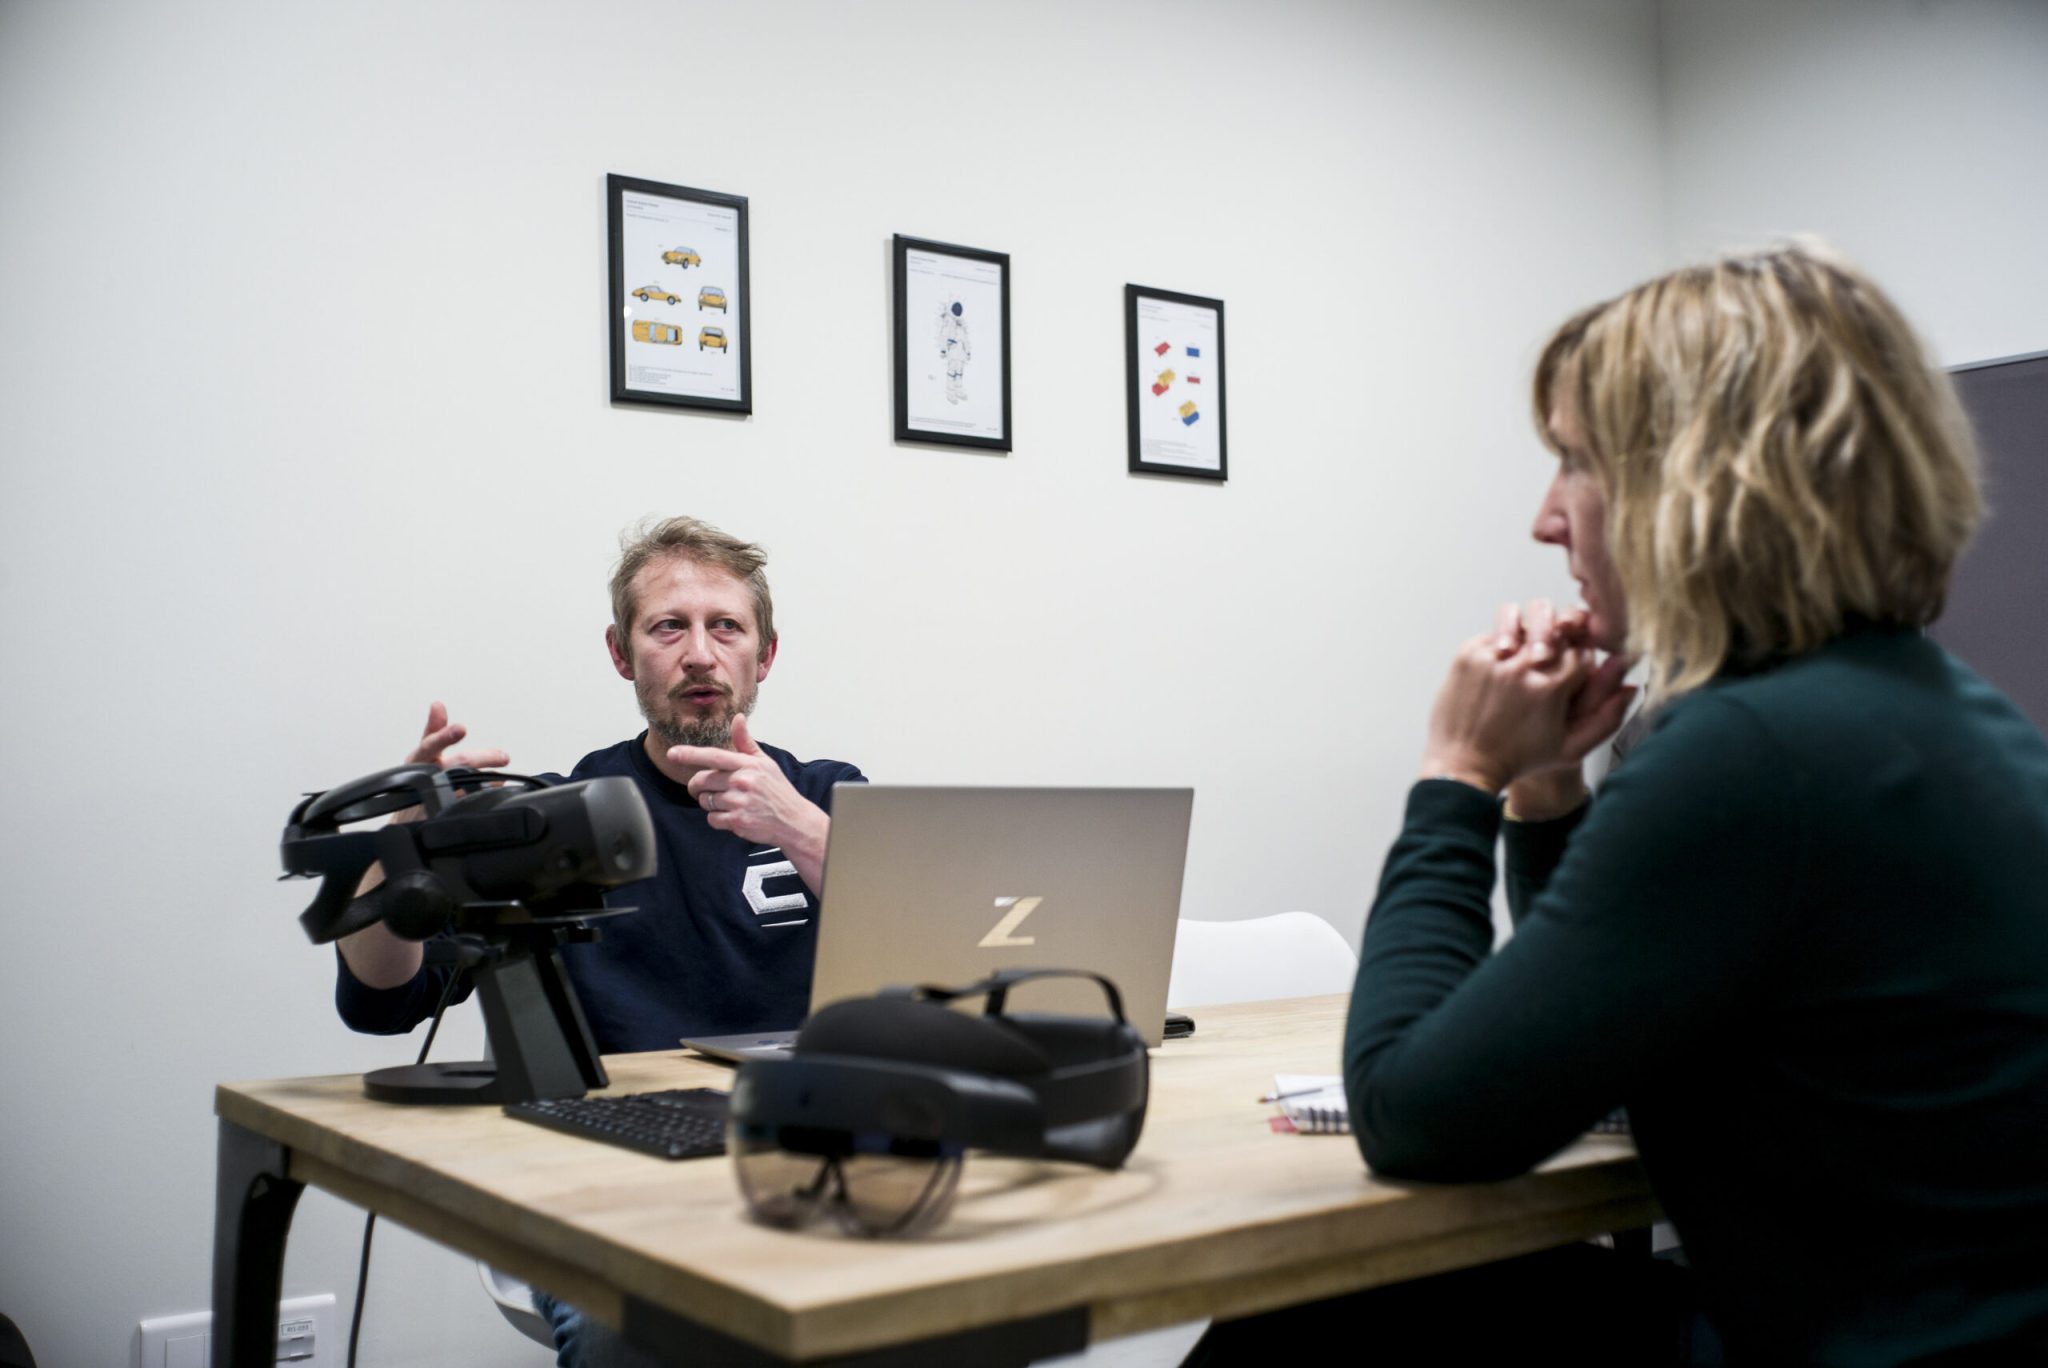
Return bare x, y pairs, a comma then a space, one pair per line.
1005, 932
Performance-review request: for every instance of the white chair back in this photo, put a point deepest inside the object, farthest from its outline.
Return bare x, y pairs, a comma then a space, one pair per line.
1289, 954
515, 1303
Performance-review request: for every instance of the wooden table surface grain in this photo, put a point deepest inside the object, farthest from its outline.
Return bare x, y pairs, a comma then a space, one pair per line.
1215, 1214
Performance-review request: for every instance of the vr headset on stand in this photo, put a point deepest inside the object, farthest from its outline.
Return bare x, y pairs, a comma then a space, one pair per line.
501, 869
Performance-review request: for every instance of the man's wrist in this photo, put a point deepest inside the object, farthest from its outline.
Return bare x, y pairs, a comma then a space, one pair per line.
805, 847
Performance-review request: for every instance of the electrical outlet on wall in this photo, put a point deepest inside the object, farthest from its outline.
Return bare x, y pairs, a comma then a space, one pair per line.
305, 1336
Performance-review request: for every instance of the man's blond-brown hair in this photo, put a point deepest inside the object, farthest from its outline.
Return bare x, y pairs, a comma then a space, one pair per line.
1778, 456
691, 540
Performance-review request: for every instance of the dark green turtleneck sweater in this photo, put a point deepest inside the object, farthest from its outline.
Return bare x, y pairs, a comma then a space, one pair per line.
1803, 936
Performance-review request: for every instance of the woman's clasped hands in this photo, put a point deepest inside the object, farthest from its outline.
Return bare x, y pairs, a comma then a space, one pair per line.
1523, 705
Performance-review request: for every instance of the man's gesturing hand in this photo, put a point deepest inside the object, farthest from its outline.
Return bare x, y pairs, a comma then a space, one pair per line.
375, 955
435, 740
744, 791
440, 734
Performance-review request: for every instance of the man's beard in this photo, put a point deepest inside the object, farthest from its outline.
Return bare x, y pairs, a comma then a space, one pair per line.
676, 723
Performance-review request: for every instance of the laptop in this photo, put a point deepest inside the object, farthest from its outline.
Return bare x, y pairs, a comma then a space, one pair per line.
947, 885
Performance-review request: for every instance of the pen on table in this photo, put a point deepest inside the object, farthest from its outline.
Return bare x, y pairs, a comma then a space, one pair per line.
1298, 1092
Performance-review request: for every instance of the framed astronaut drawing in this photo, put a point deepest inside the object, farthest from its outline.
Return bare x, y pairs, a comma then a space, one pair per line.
952, 345
1173, 384
677, 302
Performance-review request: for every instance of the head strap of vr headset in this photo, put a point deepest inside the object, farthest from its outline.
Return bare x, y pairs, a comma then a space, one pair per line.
1068, 1092
996, 988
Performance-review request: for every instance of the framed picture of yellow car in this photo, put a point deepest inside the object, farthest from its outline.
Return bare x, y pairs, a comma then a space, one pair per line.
677, 301
952, 326
1173, 384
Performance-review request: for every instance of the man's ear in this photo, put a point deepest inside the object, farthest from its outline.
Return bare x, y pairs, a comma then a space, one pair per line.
621, 662
767, 660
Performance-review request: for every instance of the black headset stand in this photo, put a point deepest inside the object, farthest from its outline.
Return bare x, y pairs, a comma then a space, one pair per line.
541, 1046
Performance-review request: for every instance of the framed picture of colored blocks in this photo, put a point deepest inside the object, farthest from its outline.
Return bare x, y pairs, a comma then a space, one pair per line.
1173, 345
952, 325
677, 301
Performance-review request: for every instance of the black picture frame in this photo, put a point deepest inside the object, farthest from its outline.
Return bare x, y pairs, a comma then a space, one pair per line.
660, 237
942, 293
1168, 338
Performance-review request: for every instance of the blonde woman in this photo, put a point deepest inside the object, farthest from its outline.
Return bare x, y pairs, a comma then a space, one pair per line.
1802, 934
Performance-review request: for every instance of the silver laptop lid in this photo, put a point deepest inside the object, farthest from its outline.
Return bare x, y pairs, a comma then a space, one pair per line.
946, 885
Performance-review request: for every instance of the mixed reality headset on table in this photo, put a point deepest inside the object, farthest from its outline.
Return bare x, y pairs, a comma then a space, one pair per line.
871, 1113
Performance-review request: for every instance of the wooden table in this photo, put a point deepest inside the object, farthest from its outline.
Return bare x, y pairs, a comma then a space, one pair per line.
1214, 1215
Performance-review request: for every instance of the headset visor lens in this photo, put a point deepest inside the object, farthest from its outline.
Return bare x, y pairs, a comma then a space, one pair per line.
782, 1187
897, 1194
873, 1184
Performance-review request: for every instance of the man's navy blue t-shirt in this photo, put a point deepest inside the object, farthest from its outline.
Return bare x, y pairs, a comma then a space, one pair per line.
721, 942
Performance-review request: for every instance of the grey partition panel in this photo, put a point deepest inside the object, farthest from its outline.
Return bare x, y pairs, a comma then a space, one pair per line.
1997, 617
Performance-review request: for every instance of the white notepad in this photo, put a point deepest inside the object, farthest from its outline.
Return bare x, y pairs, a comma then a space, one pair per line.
1314, 1103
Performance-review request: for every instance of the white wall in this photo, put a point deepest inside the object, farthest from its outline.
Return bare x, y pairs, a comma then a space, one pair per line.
257, 508
1912, 133
304, 425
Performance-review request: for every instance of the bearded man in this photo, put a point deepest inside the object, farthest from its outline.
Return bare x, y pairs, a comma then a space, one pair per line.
724, 934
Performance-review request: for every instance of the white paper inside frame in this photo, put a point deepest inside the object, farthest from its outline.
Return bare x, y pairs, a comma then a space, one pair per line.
1179, 375
953, 344
690, 252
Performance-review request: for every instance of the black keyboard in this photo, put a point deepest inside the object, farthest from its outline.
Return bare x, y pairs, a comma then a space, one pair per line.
681, 1123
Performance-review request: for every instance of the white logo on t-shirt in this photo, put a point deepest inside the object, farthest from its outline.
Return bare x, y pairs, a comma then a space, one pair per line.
766, 904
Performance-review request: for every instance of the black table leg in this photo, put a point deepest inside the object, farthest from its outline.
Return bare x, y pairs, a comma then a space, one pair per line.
253, 1200
1634, 1243
670, 1338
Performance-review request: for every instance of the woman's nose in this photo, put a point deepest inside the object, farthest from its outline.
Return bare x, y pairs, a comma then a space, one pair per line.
1552, 528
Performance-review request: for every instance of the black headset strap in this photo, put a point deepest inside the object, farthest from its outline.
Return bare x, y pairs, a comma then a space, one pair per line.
996, 987
397, 788
373, 795
338, 860
1088, 1092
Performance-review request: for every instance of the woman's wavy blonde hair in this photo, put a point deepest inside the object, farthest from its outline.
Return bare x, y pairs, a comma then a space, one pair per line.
1778, 457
